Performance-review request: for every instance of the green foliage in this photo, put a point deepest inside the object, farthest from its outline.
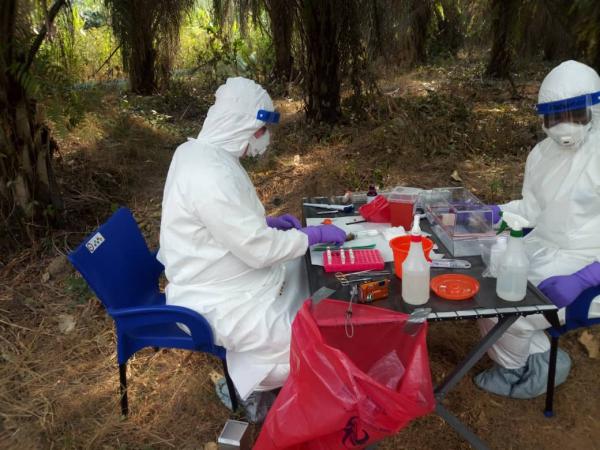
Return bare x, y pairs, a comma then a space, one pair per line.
77, 51
448, 28
497, 187
77, 288
216, 53
586, 14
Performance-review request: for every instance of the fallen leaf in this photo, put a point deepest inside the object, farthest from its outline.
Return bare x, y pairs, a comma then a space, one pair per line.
456, 177
7, 356
591, 344
66, 323
296, 160
58, 265
215, 376
45, 277
211, 446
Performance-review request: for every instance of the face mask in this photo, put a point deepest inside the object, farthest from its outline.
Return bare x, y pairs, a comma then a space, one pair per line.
257, 146
569, 135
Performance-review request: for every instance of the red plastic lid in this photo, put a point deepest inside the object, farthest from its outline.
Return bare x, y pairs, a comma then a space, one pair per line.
377, 211
453, 286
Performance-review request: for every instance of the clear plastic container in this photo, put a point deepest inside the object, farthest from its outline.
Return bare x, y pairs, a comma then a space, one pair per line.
402, 205
459, 212
491, 254
459, 219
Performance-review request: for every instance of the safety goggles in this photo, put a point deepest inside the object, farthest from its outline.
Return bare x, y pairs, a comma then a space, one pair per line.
267, 116
576, 110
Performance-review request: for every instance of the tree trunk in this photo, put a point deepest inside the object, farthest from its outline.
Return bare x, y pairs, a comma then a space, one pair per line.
596, 58
503, 12
420, 18
322, 79
281, 14
140, 54
377, 19
450, 32
29, 193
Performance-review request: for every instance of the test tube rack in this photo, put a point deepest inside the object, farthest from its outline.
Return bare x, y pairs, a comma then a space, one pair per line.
363, 260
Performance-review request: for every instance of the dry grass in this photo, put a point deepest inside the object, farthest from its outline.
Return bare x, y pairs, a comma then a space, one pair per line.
58, 387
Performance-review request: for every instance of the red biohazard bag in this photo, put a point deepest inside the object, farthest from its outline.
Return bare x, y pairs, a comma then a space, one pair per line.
348, 392
377, 211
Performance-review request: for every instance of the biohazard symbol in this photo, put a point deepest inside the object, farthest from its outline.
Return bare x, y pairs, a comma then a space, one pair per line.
351, 433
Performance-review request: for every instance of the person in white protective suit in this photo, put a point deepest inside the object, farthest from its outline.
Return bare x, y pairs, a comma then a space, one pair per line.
561, 199
223, 258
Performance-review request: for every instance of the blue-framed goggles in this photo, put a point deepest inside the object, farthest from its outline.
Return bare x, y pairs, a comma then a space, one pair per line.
267, 116
568, 104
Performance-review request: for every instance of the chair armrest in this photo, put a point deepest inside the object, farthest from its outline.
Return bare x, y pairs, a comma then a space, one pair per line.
201, 331
578, 311
159, 268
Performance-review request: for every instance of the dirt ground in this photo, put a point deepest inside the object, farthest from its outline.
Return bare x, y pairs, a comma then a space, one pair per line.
435, 126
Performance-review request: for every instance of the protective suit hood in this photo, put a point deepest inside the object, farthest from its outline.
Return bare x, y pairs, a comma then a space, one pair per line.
571, 79
231, 121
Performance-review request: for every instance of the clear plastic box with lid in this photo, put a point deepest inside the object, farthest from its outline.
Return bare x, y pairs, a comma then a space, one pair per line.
459, 219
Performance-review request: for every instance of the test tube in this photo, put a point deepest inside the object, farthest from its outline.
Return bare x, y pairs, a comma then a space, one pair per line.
328, 255
351, 255
342, 256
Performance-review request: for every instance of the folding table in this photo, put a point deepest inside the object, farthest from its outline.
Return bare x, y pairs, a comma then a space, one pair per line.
485, 304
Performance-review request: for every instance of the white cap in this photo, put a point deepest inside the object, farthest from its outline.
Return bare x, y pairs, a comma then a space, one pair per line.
416, 229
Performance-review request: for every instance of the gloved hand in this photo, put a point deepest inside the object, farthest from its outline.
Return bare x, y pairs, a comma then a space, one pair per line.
495, 213
324, 234
464, 219
564, 289
284, 222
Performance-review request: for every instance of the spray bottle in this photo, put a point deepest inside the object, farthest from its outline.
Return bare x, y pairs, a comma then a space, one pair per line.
415, 270
511, 282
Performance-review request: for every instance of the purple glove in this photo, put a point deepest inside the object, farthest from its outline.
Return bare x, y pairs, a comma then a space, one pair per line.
462, 219
564, 289
495, 213
324, 234
284, 222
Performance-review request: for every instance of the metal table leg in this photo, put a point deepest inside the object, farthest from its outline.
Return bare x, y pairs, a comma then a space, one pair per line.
460, 427
460, 371
552, 318
474, 355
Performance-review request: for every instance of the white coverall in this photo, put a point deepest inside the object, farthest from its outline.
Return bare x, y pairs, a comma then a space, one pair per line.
220, 257
561, 198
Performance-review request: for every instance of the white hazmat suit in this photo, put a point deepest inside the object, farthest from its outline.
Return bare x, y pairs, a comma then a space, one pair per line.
561, 198
220, 257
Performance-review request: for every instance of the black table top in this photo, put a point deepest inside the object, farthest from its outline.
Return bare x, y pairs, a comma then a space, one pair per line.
485, 304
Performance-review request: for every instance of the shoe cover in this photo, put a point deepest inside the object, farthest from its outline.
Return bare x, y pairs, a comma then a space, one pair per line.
525, 382
256, 406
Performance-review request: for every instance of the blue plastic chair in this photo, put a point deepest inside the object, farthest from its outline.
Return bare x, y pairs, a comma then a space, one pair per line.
576, 317
120, 269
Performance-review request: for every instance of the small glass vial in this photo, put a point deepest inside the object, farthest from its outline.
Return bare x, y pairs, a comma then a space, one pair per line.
371, 194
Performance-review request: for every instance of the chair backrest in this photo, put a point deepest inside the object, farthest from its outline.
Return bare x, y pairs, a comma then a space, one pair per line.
116, 263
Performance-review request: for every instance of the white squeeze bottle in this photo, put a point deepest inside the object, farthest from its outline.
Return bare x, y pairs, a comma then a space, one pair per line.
415, 270
511, 282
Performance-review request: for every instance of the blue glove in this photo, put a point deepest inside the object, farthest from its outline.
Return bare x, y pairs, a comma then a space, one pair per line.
564, 289
284, 222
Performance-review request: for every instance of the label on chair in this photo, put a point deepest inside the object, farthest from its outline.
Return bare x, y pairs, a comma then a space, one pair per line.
95, 242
